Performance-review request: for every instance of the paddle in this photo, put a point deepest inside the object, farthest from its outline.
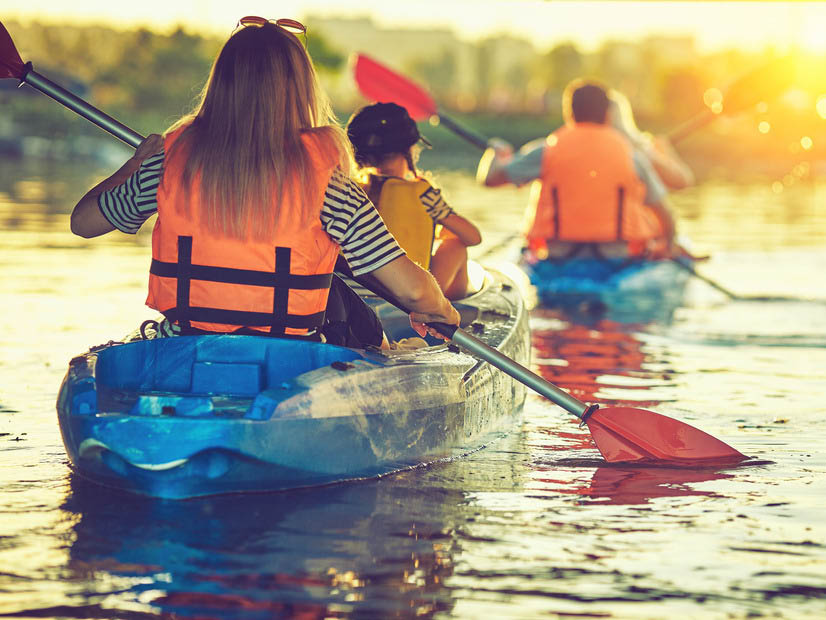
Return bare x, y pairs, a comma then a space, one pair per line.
621, 434
382, 84
12, 66
679, 260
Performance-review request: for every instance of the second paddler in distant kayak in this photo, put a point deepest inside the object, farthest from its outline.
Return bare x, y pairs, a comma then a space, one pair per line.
594, 195
675, 173
385, 144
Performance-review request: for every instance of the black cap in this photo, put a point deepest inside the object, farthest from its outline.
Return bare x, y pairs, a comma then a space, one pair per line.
381, 129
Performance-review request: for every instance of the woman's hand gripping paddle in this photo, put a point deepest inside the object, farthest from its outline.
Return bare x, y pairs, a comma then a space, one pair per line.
12, 66
382, 84
621, 434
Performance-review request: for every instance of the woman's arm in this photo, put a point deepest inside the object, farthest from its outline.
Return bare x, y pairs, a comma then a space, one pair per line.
87, 220
673, 171
418, 291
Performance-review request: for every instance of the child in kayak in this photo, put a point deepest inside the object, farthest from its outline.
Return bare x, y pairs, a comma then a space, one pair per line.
254, 203
385, 140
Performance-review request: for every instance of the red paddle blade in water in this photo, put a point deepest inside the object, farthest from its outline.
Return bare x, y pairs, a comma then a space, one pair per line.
11, 66
626, 434
381, 84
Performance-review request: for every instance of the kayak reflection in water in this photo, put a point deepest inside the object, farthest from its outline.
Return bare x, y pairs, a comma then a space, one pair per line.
595, 195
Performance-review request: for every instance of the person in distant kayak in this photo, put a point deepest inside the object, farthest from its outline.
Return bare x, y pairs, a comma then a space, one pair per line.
594, 194
667, 163
254, 204
385, 143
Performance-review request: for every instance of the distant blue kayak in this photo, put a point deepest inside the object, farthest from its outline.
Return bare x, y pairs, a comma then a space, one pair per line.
200, 415
624, 289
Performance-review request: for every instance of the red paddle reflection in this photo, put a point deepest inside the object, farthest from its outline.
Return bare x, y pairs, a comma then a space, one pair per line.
637, 485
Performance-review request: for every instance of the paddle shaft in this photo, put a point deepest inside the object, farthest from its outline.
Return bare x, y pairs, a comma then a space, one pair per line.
690, 269
513, 368
483, 351
76, 104
472, 137
734, 296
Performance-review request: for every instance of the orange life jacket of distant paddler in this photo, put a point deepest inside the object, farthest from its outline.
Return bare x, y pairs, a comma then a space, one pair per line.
589, 192
208, 282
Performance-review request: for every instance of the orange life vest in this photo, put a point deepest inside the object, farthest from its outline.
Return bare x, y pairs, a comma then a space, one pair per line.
589, 192
206, 282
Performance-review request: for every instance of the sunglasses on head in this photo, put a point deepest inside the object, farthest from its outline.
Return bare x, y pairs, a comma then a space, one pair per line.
290, 25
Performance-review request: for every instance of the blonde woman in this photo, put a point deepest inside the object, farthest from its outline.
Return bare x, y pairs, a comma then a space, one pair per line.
254, 204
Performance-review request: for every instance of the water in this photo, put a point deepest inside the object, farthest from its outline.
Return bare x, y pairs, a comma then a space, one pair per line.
535, 525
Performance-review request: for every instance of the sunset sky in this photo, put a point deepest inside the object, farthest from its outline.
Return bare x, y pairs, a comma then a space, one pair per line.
751, 25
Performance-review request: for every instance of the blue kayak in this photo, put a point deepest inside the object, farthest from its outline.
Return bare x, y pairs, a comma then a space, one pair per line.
625, 290
199, 415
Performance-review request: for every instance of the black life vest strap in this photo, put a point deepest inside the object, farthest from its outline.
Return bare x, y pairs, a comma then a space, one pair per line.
620, 207
314, 335
555, 199
281, 281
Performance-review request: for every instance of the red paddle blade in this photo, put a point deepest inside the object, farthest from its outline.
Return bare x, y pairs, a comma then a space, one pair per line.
11, 66
381, 84
626, 434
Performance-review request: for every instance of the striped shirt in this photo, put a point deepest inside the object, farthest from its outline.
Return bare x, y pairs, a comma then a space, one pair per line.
435, 204
347, 215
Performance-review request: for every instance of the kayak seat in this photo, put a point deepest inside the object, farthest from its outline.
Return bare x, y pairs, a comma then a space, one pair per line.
210, 365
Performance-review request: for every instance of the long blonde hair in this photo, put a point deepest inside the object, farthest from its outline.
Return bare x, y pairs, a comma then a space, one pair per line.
243, 140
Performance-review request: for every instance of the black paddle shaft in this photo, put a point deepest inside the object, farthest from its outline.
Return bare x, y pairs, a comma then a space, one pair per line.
76, 104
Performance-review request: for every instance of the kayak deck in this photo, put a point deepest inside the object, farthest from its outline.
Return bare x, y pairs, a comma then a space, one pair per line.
198, 415
624, 290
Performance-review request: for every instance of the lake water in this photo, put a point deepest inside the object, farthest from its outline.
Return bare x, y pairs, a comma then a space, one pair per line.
535, 525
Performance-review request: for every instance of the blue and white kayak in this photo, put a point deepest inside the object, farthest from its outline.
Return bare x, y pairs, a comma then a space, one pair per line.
199, 415
624, 289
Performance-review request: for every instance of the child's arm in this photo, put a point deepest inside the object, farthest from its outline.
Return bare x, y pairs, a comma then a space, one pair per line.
465, 230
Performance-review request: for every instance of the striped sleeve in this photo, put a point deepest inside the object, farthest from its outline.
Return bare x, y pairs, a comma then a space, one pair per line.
128, 205
353, 222
435, 204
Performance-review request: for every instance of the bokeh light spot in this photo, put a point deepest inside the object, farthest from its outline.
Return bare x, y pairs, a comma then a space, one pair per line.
821, 106
712, 96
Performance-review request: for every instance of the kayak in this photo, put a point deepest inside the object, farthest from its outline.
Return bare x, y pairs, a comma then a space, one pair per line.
191, 416
624, 290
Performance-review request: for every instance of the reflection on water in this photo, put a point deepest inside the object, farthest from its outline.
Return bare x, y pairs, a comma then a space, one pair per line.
535, 525
307, 553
